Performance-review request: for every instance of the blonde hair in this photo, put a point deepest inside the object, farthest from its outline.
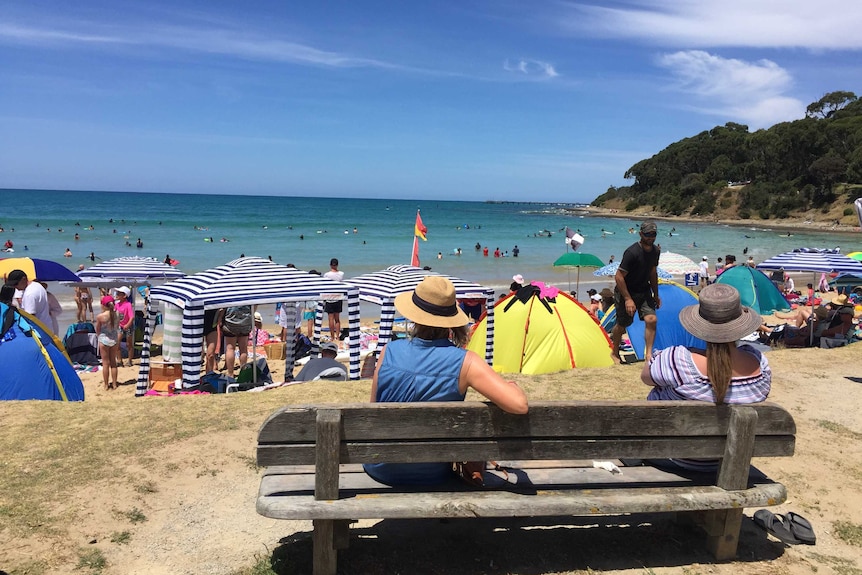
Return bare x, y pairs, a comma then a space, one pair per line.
112, 315
458, 335
719, 369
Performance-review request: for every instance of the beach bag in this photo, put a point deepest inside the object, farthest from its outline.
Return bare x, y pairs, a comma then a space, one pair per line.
301, 347
212, 382
245, 377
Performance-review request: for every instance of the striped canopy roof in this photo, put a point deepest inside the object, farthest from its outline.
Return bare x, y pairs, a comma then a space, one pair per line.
132, 269
245, 281
812, 261
384, 285
248, 281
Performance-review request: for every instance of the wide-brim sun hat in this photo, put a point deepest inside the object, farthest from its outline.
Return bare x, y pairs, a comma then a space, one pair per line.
432, 303
719, 317
839, 300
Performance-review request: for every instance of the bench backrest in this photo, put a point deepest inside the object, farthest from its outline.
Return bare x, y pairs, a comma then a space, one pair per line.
465, 431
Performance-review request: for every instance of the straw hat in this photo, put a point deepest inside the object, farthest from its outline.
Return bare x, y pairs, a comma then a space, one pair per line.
839, 300
719, 317
432, 303
258, 317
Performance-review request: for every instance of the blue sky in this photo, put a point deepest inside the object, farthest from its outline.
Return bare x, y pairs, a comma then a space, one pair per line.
482, 100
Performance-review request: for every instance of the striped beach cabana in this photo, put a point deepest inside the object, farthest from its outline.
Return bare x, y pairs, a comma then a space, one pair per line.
244, 281
381, 288
130, 270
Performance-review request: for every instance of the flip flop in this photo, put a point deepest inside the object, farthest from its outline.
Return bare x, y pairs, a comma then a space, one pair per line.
801, 528
776, 525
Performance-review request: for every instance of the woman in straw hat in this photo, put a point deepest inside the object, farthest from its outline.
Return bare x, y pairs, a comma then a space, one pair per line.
432, 365
723, 373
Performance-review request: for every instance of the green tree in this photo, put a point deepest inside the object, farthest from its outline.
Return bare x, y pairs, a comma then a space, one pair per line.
826, 106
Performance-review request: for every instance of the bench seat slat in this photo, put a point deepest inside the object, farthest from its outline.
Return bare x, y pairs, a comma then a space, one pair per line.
466, 420
511, 449
577, 502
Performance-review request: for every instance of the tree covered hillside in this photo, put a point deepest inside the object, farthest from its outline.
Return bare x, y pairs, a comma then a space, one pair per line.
794, 167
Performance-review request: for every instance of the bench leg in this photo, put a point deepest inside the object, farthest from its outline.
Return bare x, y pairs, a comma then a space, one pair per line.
722, 532
324, 554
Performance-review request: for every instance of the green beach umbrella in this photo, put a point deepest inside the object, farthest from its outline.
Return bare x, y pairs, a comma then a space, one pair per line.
578, 260
856, 256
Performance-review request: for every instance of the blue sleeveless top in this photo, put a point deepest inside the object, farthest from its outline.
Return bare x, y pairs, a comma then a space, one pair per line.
417, 370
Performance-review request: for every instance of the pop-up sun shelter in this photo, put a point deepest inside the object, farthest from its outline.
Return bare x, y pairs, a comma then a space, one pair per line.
245, 281
382, 287
755, 289
540, 329
670, 332
34, 363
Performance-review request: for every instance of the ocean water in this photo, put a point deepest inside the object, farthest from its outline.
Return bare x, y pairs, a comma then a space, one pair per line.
309, 231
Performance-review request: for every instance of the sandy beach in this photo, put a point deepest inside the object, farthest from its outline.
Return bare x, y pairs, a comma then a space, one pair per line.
196, 487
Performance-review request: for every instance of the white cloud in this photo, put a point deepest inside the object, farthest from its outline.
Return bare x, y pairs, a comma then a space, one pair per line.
827, 24
209, 41
747, 92
529, 67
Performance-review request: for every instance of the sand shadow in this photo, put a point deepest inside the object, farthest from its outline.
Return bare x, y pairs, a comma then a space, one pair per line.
523, 546
854, 379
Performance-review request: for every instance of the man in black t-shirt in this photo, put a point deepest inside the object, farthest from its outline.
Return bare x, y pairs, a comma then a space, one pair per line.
637, 289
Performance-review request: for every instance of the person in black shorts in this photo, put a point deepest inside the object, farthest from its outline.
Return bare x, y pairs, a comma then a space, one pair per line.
637, 289
333, 308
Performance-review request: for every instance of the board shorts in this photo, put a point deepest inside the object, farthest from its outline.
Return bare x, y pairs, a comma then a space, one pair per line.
333, 306
644, 303
308, 315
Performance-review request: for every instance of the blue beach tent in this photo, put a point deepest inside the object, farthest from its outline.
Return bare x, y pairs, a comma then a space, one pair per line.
755, 289
33, 364
670, 332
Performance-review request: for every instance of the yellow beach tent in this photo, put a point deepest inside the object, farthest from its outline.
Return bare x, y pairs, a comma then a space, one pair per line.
540, 329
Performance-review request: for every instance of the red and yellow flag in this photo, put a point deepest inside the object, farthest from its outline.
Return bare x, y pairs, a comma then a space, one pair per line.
420, 229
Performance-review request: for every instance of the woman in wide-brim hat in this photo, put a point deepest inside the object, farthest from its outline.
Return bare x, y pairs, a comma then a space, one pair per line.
723, 372
432, 365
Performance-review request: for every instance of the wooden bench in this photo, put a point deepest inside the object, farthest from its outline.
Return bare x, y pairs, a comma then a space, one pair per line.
311, 455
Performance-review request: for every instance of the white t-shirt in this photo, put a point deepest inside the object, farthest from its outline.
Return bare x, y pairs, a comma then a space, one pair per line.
334, 275
282, 316
704, 269
35, 301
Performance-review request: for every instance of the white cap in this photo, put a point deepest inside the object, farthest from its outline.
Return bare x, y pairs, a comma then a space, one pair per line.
706, 259
596, 297
258, 317
125, 290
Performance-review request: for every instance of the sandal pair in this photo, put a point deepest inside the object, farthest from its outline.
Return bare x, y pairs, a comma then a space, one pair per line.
791, 528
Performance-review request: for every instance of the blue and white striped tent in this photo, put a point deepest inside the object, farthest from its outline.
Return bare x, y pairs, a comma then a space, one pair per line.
382, 287
245, 281
131, 270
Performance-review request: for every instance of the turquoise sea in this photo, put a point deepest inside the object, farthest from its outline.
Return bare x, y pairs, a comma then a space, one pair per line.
309, 231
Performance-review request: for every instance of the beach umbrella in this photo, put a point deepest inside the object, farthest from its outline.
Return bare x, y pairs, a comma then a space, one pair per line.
35, 268
131, 270
676, 264
815, 261
610, 270
381, 288
856, 256
844, 281
578, 260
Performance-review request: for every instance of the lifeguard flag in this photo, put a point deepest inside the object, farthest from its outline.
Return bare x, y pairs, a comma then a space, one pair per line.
420, 229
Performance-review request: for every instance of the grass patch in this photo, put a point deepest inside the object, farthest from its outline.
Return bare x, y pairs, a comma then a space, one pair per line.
133, 515
147, 487
92, 559
848, 532
121, 538
839, 429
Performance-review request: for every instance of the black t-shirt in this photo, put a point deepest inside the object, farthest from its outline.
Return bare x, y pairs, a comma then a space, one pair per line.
638, 264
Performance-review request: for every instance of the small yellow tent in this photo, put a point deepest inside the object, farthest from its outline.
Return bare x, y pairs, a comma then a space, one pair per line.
539, 329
